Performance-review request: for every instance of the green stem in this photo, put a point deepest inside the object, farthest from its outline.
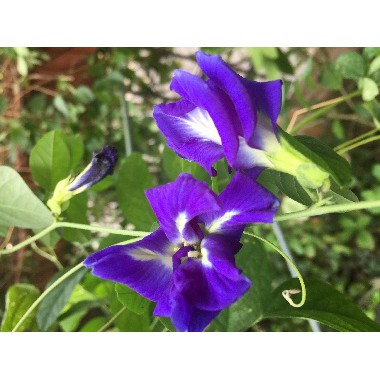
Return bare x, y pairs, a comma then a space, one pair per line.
46, 255
328, 210
45, 293
361, 137
359, 143
113, 319
71, 225
322, 111
286, 293
126, 127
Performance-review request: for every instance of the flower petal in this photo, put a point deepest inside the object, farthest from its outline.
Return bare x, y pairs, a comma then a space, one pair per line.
190, 132
220, 73
212, 282
205, 96
267, 96
243, 201
102, 164
177, 203
144, 266
187, 318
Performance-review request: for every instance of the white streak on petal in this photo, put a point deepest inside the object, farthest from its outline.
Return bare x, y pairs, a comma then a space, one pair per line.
144, 254
181, 221
264, 135
218, 223
205, 261
201, 125
248, 157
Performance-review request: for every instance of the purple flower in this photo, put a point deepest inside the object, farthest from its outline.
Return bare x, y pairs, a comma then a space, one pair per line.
101, 165
187, 266
226, 115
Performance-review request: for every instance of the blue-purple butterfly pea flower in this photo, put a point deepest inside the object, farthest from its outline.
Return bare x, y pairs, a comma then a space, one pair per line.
224, 116
232, 117
187, 266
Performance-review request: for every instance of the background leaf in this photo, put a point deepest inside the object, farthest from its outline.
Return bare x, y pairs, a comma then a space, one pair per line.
18, 300
50, 160
130, 299
54, 302
77, 213
133, 179
369, 89
350, 65
324, 304
19, 206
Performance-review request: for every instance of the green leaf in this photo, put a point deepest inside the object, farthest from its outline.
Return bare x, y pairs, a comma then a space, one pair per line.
289, 185
369, 89
252, 259
331, 78
322, 155
323, 304
61, 106
132, 300
365, 240
76, 148
133, 179
129, 321
374, 66
84, 94
167, 323
371, 52
94, 324
174, 165
18, 300
19, 207
50, 160
77, 213
376, 171
55, 301
350, 65
340, 195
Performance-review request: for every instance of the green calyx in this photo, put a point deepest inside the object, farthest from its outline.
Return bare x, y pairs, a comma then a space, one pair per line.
285, 158
60, 200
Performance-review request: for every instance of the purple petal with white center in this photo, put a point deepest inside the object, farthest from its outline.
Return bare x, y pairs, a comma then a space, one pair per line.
243, 201
212, 282
205, 96
190, 132
177, 203
145, 266
220, 73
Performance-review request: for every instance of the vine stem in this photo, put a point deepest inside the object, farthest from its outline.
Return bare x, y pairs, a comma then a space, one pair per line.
321, 107
286, 293
45, 293
71, 225
356, 145
328, 210
314, 325
356, 139
51, 258
113, 319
